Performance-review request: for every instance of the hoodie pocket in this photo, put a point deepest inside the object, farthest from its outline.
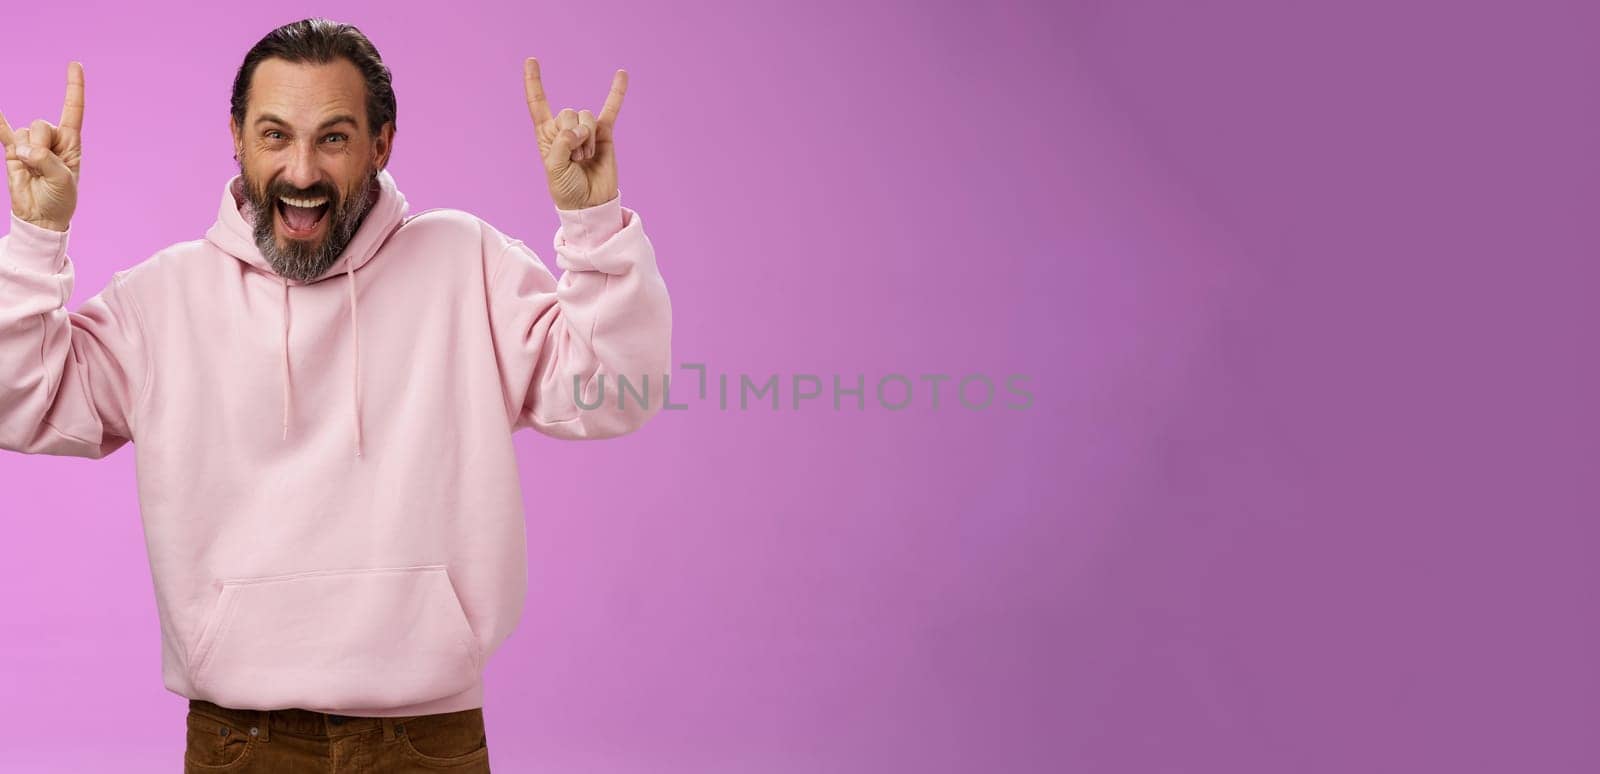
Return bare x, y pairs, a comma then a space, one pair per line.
368, 638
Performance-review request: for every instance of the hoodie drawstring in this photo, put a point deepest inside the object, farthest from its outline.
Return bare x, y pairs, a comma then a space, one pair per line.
286, 396
355, 359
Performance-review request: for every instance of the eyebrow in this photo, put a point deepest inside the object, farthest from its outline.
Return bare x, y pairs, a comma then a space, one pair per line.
343, 118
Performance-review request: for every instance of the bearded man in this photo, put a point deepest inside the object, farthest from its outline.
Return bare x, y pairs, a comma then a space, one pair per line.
321, 395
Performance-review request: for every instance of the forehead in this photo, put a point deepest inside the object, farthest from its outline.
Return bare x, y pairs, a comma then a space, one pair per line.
306, 93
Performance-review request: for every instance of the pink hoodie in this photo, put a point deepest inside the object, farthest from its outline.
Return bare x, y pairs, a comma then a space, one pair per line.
326, 472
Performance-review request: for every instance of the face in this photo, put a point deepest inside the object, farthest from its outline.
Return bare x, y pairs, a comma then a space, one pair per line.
309, 162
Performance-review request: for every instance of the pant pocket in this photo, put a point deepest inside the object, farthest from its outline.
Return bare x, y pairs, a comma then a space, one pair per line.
446, 740
344, 639
215, 745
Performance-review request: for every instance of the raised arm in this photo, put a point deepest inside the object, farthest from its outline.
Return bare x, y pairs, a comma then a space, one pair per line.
68, 379
584, 356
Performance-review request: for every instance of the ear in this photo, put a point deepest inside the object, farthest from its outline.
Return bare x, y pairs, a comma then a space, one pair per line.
383, 144
233, 132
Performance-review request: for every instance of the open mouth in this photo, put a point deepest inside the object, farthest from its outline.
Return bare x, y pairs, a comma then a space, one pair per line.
302, 221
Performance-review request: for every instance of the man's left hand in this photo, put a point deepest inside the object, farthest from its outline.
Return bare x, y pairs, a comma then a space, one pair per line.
579, 157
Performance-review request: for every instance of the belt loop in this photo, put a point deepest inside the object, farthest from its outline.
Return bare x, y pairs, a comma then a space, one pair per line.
388, 729
265, 724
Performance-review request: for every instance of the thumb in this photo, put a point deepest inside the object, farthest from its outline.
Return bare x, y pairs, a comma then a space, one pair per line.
44, 163
561, 151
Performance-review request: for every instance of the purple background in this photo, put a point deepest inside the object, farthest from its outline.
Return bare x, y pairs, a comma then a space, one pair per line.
1305, 295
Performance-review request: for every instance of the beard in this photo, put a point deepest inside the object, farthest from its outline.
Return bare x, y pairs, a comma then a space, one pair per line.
307, 259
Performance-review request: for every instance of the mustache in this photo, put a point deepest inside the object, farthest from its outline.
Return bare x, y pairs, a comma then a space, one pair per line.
277, 190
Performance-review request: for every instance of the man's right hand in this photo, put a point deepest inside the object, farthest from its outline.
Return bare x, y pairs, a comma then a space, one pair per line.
42, 161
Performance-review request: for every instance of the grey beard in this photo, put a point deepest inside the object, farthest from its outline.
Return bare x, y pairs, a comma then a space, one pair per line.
302, 261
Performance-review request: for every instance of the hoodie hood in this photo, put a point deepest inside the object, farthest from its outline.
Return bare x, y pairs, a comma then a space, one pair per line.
234, 234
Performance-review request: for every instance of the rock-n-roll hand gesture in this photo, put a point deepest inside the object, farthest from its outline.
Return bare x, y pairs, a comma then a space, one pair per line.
579, 157
42, 161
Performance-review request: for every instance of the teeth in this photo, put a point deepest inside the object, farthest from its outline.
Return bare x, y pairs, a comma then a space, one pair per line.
307, 203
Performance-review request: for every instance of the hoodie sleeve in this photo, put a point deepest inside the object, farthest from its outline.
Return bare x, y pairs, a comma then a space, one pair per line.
68, 379
584, 356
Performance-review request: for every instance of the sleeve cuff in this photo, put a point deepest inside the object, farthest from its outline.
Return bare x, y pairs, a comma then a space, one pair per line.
590, 227
35, 247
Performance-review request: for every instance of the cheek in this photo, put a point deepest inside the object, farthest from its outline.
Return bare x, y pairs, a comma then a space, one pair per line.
261, 165
351, 169
344, 165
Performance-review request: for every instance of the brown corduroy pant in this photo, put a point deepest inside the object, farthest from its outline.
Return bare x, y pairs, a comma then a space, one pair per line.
290, 741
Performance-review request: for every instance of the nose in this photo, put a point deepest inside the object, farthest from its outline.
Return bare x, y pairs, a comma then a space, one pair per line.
302, 172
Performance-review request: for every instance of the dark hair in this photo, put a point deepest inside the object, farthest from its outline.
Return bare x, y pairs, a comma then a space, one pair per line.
320, 41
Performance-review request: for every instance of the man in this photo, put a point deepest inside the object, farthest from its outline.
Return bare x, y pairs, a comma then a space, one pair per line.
321, 395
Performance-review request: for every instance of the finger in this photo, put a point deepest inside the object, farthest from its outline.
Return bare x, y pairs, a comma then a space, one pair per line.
72, 109
619, 88
575, 141
538, 105
7, 137
567, 119
19, 142
587, 121
42, 134
566, 122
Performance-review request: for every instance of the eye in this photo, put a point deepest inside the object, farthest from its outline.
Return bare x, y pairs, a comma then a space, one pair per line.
273, 134
337, 136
